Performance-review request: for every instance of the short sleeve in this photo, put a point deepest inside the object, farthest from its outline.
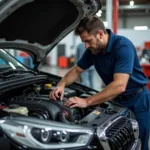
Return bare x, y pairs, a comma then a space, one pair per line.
124, 59
86, 60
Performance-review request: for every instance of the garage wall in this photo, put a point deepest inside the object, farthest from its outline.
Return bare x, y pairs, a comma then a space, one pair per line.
69, 41
137, 37
130, 22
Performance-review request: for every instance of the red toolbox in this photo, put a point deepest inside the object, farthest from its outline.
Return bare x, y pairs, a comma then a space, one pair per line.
146, 70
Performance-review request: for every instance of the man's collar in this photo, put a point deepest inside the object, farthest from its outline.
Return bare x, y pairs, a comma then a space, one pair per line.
110, 40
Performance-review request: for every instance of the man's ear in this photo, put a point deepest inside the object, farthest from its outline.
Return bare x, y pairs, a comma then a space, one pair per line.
100, 34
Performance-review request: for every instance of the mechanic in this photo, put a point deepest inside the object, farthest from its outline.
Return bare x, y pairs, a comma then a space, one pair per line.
115, 60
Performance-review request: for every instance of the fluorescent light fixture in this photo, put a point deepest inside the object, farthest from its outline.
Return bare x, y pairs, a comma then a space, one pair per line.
99, 13
131, 3
105, 23
140, 27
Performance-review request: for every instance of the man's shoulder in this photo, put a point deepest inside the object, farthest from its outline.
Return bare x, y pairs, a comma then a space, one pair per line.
122, 41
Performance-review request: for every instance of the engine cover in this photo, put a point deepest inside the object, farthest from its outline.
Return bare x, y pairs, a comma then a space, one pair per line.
41, 105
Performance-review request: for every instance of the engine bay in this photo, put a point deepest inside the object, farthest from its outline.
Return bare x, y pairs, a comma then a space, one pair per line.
34, 101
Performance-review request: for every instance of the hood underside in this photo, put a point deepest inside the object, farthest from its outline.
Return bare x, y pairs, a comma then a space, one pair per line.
36, 26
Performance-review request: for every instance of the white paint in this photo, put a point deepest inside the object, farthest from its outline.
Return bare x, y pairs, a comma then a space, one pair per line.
68, 41
137, 37
53, 56
109, 7
134, 21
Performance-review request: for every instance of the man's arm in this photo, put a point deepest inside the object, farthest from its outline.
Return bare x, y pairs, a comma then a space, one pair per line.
111, 91
68, 79
115, 88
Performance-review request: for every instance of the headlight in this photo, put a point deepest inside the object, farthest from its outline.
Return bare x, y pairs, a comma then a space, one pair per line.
47, 136
135, 127
43, 134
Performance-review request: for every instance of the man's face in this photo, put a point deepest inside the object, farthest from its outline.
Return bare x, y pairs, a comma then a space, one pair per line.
95, 43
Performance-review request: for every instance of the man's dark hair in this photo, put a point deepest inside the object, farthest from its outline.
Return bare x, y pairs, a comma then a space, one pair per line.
90, 24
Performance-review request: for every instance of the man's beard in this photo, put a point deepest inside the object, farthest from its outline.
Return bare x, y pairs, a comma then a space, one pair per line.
99, 48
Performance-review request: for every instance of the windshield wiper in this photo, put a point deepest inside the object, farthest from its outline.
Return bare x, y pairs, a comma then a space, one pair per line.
14, 71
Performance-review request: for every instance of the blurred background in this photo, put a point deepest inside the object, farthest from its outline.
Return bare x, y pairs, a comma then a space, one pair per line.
124, 17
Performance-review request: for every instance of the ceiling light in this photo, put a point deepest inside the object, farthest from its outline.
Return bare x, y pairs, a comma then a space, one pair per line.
99, 13
140, 27
131, 3
105, 24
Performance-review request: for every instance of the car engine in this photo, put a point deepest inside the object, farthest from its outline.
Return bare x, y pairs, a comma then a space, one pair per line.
35, 102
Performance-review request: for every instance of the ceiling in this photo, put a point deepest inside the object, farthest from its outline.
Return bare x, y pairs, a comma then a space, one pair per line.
140, 8
126, 2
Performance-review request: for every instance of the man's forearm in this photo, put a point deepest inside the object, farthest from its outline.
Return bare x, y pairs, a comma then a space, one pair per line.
110, 92
70, 77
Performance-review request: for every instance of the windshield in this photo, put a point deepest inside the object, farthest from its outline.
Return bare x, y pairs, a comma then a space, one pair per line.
8, 62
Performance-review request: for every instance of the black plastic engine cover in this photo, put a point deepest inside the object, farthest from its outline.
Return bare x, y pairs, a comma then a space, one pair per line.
67, 92
42, 103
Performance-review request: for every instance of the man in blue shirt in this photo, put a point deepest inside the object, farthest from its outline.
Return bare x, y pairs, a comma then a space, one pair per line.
116, 62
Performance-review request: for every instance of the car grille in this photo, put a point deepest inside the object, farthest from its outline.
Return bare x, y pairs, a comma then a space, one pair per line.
120, 135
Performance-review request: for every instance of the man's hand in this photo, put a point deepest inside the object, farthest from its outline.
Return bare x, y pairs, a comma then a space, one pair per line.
76, 102
58, 92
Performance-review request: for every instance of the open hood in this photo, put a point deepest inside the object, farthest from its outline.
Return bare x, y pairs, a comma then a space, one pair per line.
36, 26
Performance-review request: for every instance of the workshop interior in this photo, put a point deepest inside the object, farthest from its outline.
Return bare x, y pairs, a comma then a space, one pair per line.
38, 47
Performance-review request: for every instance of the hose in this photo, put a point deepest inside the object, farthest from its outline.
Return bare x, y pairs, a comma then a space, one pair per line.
62, 117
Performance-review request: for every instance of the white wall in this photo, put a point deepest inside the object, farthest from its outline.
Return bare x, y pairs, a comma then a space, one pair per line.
137, 37
143, 21
130, 22
69, 42
53, 56
134, 21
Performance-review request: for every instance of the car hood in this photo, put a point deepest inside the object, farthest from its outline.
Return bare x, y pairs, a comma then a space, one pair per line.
36, 26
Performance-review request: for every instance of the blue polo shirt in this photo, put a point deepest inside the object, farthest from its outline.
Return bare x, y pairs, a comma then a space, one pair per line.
119, 57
